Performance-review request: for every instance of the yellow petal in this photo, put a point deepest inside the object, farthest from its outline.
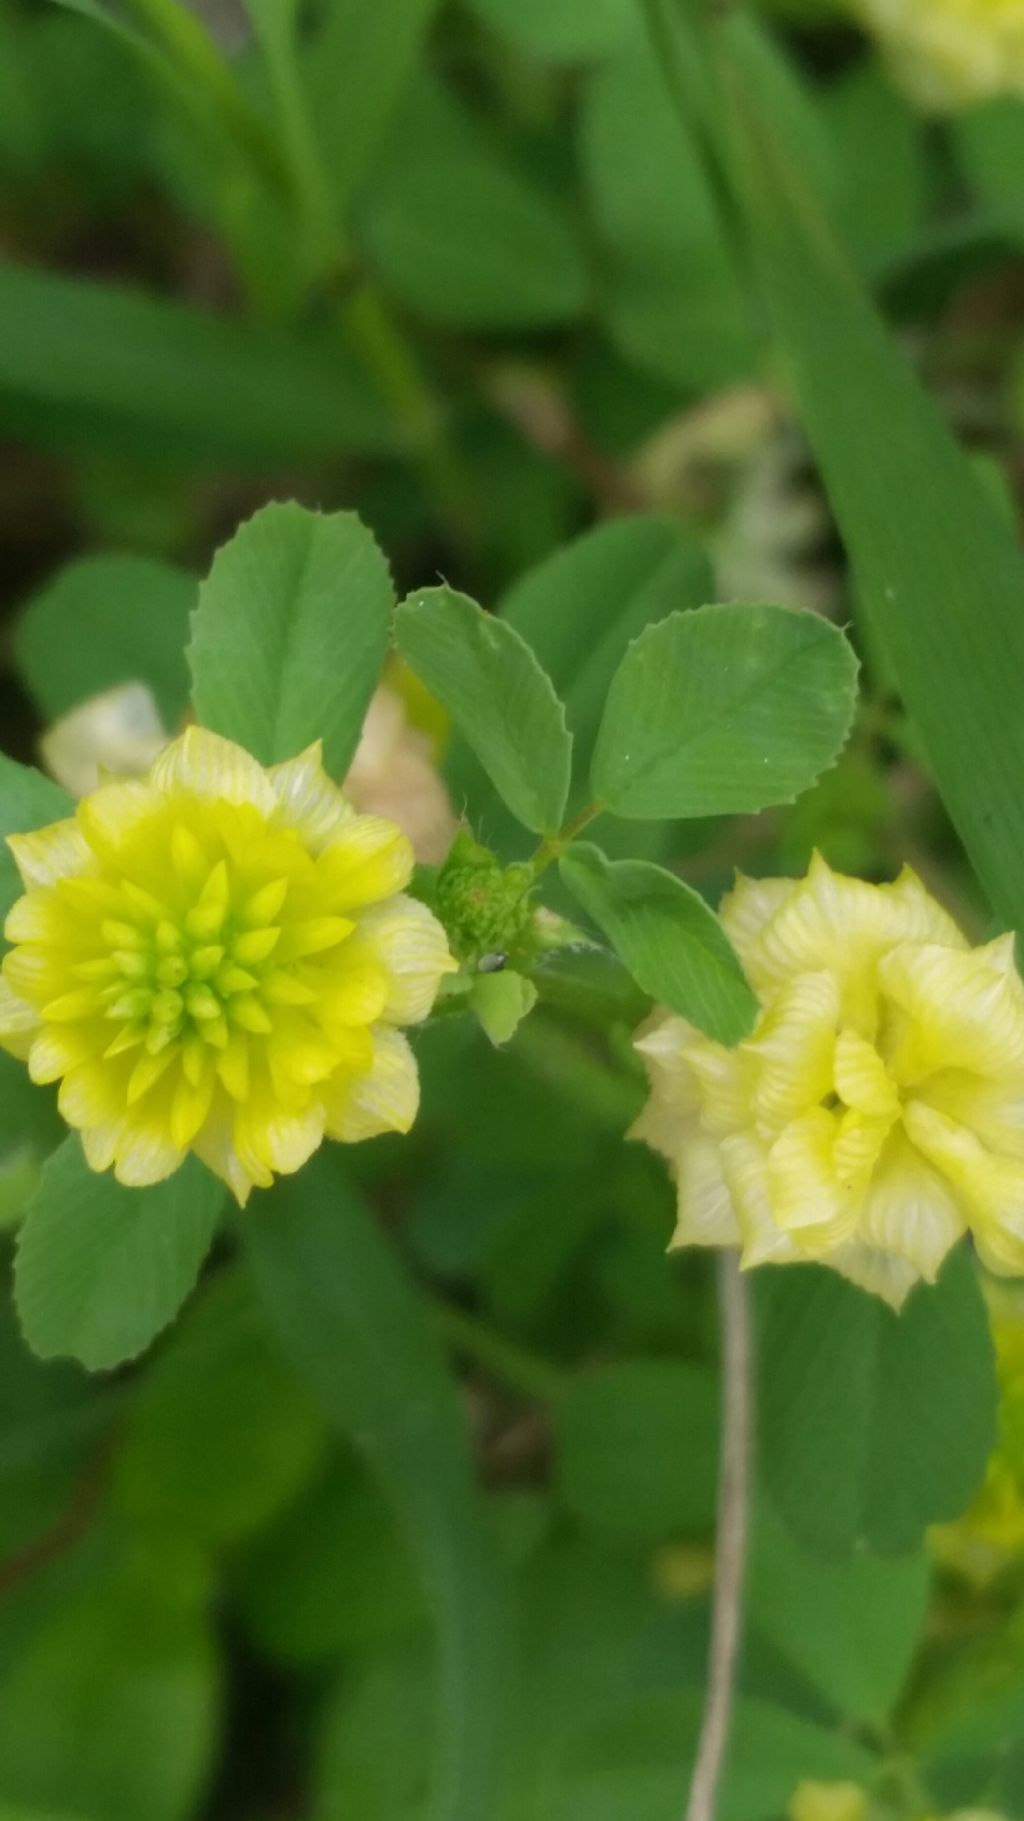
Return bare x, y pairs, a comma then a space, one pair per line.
881, 1273
49, 854
910, 1210
206, 765
19, 1021
705, 1216
961, 1012
407, 939
145, 1155
744, 912
745, 1168
794, 1045
55, 1051
307, 800
370, 860
386, 1099
809, 1200
114, 813
988, 1188
861, 1078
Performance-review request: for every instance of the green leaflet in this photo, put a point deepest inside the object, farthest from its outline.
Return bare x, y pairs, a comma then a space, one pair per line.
669, 939
873, 1425
350, 1321
101, 1269
289, 637
726, 709
499, 698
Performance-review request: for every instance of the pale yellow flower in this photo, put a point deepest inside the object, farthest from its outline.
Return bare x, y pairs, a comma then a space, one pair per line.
950, 53
877, 1111
828, 1802
220, 958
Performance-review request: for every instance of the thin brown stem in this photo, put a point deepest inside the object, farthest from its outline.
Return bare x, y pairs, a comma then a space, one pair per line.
731, 1547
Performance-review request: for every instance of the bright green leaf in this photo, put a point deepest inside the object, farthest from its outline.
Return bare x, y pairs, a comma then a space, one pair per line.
581, 607
27, 801
346, 1315
638, 1448
499, 698
851, 1627
729, 708
873, 1425
105, 620
101, 1269
290, 634
670, 940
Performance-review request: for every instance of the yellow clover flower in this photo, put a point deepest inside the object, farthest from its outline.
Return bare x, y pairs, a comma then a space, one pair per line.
219, 958
877, 1111
950, 53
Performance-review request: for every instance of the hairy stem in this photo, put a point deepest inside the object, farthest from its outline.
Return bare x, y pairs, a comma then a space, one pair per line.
731, 1548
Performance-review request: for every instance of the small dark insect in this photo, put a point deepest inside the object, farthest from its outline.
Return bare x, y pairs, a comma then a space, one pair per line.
492, 964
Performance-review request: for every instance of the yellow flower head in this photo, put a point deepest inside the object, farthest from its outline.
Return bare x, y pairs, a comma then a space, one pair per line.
877, 1111
950, 53
218, 958
828, 1802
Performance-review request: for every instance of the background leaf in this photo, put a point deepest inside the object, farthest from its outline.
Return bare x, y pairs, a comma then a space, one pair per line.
104, 620
101, 1269
936, 567
873, 1425
850, 1626
670, 940
289, 637
351, 1323
100, 367
498, 696
729, 708
638, 1448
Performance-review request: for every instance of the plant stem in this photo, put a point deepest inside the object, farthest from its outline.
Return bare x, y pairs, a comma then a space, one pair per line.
503, 1358
731, 1546
553, 845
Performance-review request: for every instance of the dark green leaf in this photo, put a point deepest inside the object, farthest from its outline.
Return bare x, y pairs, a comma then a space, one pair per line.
106, 620
569, 31
728, 708
98, 367
359, 65
638, 1448
351, 1322
100, 1268
498, 696
290, 634
873, 1425
850, 1627
460, 233
670, 940
635, 1761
